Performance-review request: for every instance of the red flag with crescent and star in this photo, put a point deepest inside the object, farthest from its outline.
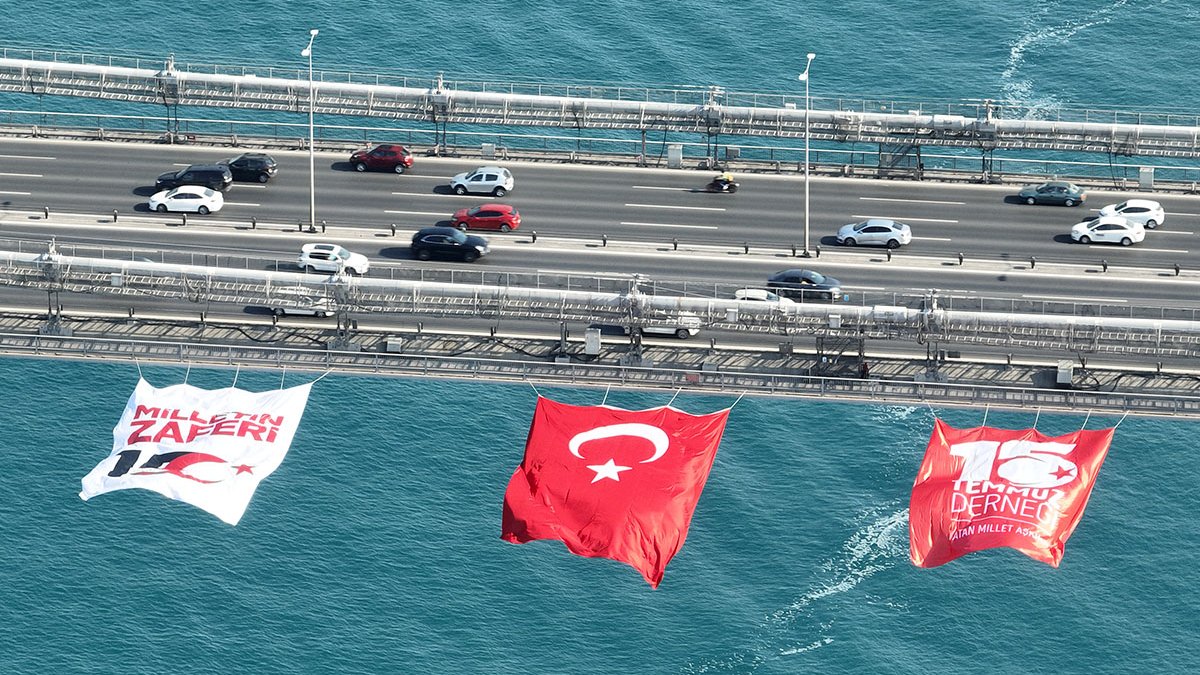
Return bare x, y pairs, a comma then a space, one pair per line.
612, 483
985, 488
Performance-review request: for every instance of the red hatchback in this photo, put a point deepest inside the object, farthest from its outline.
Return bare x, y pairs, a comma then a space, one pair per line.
487, 217
383, 158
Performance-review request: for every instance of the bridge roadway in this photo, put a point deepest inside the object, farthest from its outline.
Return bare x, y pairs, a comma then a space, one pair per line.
576, 206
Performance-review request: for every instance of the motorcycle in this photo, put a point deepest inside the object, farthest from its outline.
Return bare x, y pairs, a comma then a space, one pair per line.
721, 186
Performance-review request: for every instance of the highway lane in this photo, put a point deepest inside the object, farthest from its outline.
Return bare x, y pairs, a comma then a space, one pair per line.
646, 205
866, 275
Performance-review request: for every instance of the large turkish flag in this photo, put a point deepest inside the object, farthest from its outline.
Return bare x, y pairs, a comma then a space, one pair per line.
612, 483
985, 488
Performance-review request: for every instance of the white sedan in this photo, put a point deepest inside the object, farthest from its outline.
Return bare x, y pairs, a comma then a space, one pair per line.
875, 232
1145, 211
189, 199
1108, 230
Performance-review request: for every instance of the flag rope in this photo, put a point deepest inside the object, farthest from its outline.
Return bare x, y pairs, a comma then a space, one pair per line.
187, 372
535, 391
236, 370
735, 402
673, 396
1121, 420
1085, 420
322, 376
986, 408
139, 367
282, 377
1037, 417
606, 388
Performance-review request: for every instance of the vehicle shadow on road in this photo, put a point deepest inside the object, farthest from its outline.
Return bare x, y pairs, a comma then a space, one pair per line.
145, 190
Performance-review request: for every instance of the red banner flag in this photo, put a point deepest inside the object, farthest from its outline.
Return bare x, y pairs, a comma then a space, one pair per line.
612, 483
985, 488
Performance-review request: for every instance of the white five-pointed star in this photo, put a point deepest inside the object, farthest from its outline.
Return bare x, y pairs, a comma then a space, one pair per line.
609, 469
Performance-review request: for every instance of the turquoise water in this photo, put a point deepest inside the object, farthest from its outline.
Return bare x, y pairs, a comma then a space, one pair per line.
375, 547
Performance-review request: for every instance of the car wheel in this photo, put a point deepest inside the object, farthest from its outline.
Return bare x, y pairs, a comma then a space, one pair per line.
321, 314
850, 241
1126, 241
499, 192
262, 178
203, 210
470, 256
461, 226
505, 227
682, 333
892, 243
162, 208
460, 189
422, 254
279, 311
1085, 239
1069, 202
1151, 224
1030, 200
360, 167
399, 168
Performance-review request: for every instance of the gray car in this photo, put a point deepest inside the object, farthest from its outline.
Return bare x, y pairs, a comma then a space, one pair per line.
875, 232
1057, 192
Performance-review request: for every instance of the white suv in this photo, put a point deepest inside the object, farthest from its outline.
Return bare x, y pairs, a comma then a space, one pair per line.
331, 258
1147, 213
493, 180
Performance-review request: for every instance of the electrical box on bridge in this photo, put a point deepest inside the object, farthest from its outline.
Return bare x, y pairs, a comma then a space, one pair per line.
591, 341
1066, 373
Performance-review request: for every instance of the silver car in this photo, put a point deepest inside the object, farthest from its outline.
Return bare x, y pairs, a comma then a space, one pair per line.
875, 232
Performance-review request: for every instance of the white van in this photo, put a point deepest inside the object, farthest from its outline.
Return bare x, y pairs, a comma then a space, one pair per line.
683, 327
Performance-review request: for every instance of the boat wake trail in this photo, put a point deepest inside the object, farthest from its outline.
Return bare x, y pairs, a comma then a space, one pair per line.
1019, 90
875, 547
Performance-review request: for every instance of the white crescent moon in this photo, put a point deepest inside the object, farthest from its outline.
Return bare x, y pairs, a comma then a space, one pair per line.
651, 433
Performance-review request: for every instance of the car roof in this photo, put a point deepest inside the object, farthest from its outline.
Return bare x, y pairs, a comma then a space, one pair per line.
882, 221
390, 146
794, 272
1059, 183
1147, 203
489, 167
437, 229
308, 248
1119, 220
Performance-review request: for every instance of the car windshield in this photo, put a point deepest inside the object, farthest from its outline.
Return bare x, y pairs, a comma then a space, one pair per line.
342, 254
458, 236
475, 211
816, 277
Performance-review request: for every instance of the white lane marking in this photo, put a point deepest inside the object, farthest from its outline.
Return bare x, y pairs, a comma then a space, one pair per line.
6, 192
658, 187
1158, 232
22, 175
1068, 298
434, 194
914, 220
441, 214
243, 186
25, 157
910, 201
1139, 248
685, 208
241, 204
693, 227
932, 239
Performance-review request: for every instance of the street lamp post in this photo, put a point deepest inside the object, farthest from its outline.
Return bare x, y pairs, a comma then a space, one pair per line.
804, 79
312, 162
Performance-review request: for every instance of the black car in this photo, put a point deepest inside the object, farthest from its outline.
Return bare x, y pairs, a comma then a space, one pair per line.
212, 176
252, 167
448, 242
805, 285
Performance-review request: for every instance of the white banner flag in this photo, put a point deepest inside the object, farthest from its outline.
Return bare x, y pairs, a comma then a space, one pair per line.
207, 448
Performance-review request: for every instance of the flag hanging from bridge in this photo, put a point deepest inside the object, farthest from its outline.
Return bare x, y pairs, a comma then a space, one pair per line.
984, 488
209, 448
612, 483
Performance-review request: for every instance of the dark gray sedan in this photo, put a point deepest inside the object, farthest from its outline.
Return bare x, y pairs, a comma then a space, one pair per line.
805, 285
1057, 192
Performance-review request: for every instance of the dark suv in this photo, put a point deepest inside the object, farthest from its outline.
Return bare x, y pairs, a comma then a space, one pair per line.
383, 158
252, 166
448, 242
212, 176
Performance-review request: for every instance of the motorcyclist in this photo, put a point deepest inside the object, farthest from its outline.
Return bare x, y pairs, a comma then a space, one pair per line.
723, 181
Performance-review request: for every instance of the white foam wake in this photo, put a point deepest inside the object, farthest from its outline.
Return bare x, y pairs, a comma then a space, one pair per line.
875, 547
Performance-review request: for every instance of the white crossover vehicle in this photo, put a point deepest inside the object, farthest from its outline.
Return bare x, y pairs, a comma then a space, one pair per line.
491, 180
1146, 212
331, 258
188, 199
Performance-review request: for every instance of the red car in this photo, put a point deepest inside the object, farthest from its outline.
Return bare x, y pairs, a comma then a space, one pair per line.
383, 158
487, 217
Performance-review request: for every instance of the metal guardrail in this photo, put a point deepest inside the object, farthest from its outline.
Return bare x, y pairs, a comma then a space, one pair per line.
593, 375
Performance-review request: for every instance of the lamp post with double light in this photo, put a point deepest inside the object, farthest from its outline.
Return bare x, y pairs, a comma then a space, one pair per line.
312, 162
804, 79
